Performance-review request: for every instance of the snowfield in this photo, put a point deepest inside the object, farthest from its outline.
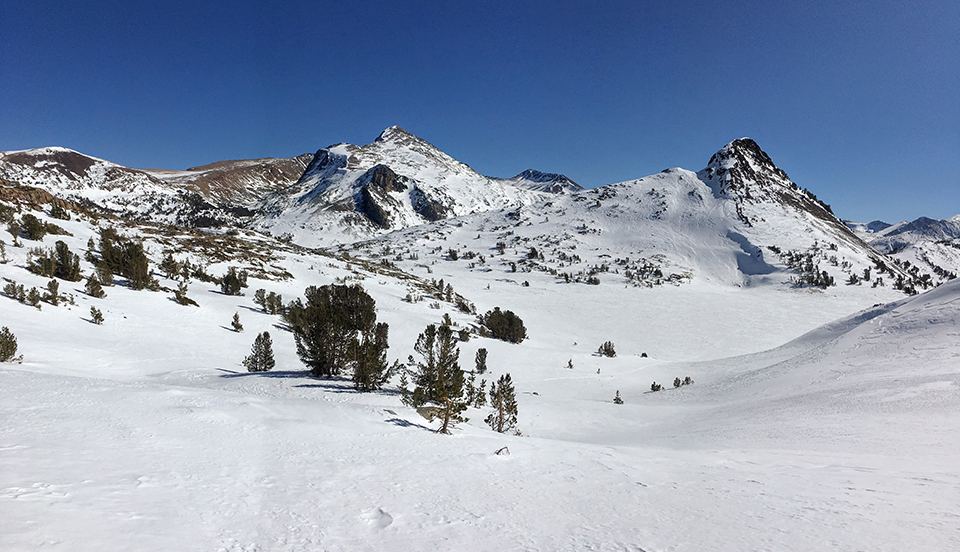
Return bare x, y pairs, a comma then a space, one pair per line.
807, 428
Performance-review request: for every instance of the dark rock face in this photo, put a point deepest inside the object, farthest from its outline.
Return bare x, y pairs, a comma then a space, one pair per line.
368, 206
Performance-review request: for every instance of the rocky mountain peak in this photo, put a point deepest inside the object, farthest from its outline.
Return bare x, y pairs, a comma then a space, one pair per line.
741, 163
395, 134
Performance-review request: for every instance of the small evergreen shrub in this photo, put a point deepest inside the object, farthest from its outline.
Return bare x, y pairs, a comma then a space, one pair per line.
504, 325
8, 345
233, 281
93, 288
237, 326
96, 316
656, 387
481, 360
617, 399
261, 355
607, 349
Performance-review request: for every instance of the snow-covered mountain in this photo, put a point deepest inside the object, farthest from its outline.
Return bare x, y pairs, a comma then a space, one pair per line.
739, 221
814, 417
923, 246
222, 193
354, 192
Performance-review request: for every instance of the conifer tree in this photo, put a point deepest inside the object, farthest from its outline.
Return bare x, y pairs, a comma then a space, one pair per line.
260, 298
96, 316
504, 402
481, 360
369, 356
93, 288
617, 399
237, 326
8, 344
337, 324
53, 292
261, 355
439, 379
33, 298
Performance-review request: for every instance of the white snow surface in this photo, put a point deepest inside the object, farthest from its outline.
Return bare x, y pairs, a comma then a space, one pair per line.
818, 420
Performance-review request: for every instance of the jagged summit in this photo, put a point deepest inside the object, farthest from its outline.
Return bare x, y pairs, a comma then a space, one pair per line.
394, 133
742, 163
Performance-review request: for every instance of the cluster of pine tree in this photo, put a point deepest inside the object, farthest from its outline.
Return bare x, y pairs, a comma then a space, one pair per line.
126, 257
337, 330
59, 263
504, 325
271, 303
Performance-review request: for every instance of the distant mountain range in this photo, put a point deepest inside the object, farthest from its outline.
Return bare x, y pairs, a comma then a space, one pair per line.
931, 245
740, 219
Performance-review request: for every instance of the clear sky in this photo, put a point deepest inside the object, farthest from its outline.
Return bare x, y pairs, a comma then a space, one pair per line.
858, 101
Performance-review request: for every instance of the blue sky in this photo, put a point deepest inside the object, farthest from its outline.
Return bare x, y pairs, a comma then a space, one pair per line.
857, 101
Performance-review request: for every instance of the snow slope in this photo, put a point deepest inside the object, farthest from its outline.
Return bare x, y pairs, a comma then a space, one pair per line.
931, 246
144, 433
355, 192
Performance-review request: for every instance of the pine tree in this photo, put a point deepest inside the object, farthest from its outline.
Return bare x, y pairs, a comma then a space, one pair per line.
261, 356
233, 281
617, 399
325, 328
93, 288
33, 298
439, 379
369, 357
53, 293
504, 402
237, 326
260, 298
8, 344
481, 361
96, 316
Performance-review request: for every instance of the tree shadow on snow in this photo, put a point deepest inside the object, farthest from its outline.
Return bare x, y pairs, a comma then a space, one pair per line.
270, 374
407, 423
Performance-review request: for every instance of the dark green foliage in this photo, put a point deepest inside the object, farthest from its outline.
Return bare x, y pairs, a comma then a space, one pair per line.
125, 257
58, 212
53, 293
617, 399
326, 327
481, 360
504, 402
32, 227
452, 253
656, 386
261, 356
8, 345
33, 298
96, 316
170, 267
504, 325
438, 379
237, 326
260, 299
369, 357
677, 382
181, 295
104, 274
67, 263
274, 303
233, 281
10, 290
94, 289
607, 349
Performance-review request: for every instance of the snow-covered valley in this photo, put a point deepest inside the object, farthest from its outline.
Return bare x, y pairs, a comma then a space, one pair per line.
819, 417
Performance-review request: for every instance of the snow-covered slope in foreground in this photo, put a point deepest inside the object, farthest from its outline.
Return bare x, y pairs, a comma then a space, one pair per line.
145, 434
